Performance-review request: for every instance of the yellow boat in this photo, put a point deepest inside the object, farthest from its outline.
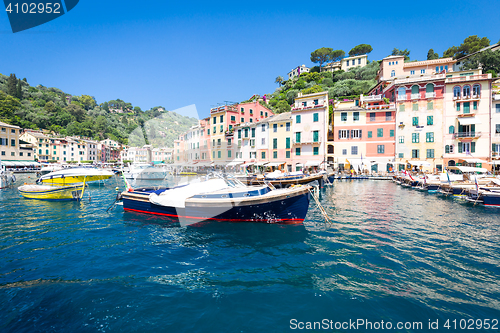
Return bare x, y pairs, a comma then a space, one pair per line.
74, 176
48, 192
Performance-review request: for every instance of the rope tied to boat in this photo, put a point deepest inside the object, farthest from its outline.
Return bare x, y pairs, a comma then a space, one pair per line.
321, 208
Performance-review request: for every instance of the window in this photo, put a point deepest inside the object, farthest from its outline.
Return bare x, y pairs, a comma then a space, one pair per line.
265, 114
497, 129
355, 116
253, 132
297, 119
263, 141
242, 110
214, 121
242, 120
429, 137
370, 134
430, 120
356, 134
263, 127
315, 136
401, 108
219, 154
251, 120
430, 153
391, 133
415, 137
344, 151
456, 92
415, 153
347, 62
287, 154
246, 132
239, 134
221, 119
401, 139
233, 118
430, 105
275, 143
287, 143
315, 150
415, 106
297, 137
476, 90
359, 61
380, 149
316, 102
288, 127
447, 149
343, 116
12, 142
372, 116
275, 154
215, 130
221, 128
422, 71
458, 107
466, 107
304, 104
315, 117
343, 134
393, 73
388, 116
354, 150
251, 111
275, 128
415, 121
401, 155
229, 153
412, 72
451, 130
474, 105
466, 91
262, 113
380, 132
297, 151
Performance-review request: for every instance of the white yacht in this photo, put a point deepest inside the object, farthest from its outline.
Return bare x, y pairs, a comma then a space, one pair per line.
146, 171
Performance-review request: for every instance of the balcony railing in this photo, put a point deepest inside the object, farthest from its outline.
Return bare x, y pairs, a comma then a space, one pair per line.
467, 97
430, 94
415, 96
372, 98
468, 78
401, 97
308, 107
466, 135
381, 107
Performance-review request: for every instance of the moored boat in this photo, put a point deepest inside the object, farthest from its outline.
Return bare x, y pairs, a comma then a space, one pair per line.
74, 176
222, 200
54, 193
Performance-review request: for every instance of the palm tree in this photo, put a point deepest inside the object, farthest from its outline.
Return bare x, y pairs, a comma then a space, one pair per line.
279, 80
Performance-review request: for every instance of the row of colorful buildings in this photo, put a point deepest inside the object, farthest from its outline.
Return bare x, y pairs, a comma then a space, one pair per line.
424, 114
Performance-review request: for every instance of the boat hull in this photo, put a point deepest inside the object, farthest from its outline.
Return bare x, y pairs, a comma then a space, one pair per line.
288, 208
284, 182
491, 199
54, 193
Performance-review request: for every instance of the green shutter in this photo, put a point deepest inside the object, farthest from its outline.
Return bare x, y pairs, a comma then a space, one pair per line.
430, 120
369, 134
391, 133
460, 147
472, 147
315, 117
401, 108
466, 107
415, 106
287, 143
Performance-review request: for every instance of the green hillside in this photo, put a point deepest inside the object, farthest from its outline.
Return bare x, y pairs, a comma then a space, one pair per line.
51, 109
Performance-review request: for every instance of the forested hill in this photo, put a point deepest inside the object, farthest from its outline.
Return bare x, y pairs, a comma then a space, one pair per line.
51, 109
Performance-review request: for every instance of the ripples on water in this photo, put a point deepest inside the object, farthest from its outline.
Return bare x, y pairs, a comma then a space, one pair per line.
392, 254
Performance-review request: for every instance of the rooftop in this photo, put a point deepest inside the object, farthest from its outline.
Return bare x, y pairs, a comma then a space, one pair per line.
8, 125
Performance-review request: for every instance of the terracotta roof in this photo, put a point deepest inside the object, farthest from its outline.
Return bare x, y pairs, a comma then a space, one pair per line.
429, 62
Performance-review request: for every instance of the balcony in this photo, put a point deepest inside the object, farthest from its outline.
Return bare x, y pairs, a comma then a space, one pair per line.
466, 98
372, 98
308, 107
468, 78
430, 95
466, 135
401, 97
381, 107
415, 96
496, 97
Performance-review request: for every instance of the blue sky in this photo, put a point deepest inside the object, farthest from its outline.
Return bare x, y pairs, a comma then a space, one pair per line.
177, 53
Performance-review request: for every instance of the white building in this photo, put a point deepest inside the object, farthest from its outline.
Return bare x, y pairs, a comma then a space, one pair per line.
295, 72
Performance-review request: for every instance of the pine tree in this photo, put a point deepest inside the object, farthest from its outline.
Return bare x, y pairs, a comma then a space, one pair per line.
19, 91
11, 85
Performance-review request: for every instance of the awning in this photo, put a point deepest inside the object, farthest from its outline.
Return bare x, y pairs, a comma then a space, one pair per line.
313, 163
299, 164
20, 163
496, 162
262, 163
420, 163
467, 169
234, 163
274, 164
474, 160
469, 121
248, 164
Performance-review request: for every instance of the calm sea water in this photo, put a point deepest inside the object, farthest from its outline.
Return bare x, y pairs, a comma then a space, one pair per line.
392, 254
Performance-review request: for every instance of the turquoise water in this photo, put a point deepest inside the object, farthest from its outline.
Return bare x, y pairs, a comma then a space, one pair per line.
392, 254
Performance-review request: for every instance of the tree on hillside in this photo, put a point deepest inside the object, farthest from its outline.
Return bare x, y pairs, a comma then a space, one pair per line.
321, 56
19, 90
470, 45
87, 101
8, 105
337, 55
12, 85
76, 111
360, 49
279, 80
399, 52
489, 60
431, 55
